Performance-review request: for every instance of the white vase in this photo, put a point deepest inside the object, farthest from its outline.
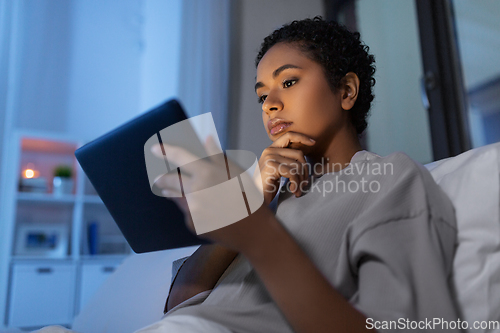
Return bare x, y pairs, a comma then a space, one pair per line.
62, 185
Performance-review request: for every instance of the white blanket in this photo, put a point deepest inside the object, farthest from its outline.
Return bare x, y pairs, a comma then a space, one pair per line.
169, 324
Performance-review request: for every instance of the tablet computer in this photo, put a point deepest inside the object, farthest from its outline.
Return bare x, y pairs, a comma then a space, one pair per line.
115, 165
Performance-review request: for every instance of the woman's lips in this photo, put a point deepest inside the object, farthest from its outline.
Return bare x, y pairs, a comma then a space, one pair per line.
278, 128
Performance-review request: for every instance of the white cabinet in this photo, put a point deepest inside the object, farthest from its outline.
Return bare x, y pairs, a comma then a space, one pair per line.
41, 294
93, 275
63, 244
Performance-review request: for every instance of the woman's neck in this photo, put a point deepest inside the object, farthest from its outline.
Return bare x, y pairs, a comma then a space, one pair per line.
336, 155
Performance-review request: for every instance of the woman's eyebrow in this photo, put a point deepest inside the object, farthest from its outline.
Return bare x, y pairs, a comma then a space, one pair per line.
276, 73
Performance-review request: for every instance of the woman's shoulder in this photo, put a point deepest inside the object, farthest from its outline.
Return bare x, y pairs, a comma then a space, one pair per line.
395, 167
407, 187
400, 159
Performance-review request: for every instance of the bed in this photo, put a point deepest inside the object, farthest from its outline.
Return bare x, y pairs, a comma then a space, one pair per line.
134, 296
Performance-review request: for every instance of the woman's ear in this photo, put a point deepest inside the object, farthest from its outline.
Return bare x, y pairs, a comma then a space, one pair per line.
350, 89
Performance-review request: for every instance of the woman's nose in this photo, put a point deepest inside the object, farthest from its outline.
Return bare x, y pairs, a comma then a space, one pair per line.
272, 103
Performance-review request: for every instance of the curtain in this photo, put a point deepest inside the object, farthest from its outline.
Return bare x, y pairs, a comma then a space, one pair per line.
204, 63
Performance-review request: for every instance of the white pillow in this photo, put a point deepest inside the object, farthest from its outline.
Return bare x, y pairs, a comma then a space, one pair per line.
132, 297
472, 182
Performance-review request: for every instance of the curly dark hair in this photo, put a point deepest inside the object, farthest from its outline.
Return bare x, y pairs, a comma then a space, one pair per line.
338, 51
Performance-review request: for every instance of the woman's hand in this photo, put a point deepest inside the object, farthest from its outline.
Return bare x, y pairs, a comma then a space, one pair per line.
206, 170
282, 159
285, 157
208, 211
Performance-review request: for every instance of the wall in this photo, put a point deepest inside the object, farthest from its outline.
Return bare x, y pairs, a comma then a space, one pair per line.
254, 20
43, 70
124, 61
81, 68
398, 119
160, 51
4, 54
205, 50
85, 67
104, 87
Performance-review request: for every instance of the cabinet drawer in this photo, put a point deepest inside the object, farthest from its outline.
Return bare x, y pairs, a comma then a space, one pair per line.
93, 276
41, 294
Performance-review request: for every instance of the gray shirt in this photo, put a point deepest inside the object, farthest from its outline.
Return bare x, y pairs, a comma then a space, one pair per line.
381, 231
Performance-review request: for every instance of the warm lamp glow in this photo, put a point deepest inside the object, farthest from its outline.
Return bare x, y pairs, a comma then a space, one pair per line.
30, 171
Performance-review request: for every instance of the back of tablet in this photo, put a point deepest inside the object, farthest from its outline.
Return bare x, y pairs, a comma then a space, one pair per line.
115, 165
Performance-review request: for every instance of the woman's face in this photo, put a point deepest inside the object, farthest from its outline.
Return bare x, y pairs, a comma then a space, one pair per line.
294, 91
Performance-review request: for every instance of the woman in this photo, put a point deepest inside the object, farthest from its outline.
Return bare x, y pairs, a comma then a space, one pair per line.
358, 241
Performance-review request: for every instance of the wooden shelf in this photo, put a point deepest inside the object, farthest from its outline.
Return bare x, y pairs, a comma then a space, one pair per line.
46, 197
51, 198
38, 259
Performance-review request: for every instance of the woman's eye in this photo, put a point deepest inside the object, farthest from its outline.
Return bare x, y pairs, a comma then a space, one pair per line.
289, 83
262, 99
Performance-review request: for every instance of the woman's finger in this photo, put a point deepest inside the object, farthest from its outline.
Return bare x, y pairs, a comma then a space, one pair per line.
169, 181
178, 156
172, 194
295, 174
290, 157
211, 146
292, 137
276, 166
213, 149
293, 154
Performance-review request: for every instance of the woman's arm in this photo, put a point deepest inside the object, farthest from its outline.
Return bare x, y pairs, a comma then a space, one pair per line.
200, 272
300, 290
305, 297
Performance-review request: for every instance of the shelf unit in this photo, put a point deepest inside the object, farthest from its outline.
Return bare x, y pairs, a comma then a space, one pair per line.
53, 269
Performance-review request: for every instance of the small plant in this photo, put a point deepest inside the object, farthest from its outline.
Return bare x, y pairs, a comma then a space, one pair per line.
63, 171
